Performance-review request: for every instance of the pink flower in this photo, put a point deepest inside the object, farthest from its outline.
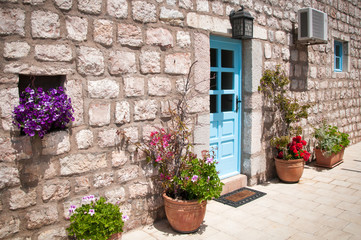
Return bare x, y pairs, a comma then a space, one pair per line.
91, 212
125, 218
209, 160
194, 178
159, 158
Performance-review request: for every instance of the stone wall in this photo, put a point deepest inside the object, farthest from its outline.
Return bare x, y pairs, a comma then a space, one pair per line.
123, 61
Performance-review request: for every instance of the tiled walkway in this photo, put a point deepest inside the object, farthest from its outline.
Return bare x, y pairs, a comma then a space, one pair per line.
325, 204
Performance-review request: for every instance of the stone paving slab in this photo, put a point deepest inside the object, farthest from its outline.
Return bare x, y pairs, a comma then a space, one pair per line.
325, 204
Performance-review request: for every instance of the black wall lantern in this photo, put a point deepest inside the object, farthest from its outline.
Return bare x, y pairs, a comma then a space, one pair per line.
242, 24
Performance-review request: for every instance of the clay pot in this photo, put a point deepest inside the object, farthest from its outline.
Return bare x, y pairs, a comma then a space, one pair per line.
289, 171
184, 216
328, 161
116, 236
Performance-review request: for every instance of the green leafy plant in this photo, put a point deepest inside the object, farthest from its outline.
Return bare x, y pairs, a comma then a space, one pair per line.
273, 85
95, 219
330, 139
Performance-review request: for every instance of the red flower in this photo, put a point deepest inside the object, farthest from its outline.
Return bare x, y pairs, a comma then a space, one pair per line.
280, 155
304, 143
298, 139
295, 151
296, 155
299, 146
293, 148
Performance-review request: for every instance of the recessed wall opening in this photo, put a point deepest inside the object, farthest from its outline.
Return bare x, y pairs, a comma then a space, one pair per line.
45, 82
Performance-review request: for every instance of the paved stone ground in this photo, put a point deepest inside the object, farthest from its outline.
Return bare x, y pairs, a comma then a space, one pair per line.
325, 204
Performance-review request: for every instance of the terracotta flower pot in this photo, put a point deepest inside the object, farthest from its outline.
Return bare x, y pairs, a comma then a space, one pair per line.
328, 161
289, 170
116, 236
184, 216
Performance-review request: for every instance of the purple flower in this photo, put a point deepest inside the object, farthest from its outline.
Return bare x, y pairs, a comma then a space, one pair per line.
91, 212
194, 178
125, 218
209, 160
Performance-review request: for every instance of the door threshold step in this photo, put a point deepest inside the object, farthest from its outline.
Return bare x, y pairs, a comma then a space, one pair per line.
234, 183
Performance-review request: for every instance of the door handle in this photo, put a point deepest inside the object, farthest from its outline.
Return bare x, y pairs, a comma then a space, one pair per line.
237, 101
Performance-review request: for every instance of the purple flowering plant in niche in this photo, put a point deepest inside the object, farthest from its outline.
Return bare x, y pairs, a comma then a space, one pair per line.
40, 111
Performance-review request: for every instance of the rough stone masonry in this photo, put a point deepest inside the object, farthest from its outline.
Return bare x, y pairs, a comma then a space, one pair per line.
123, 61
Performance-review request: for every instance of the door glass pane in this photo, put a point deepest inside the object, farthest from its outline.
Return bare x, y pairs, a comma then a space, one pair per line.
227, 58
213, 103
213, 81
213, 57
338, 52
227, 102
227, 80
338, 65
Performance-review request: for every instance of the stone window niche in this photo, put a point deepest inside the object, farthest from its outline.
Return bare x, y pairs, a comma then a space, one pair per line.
45, 82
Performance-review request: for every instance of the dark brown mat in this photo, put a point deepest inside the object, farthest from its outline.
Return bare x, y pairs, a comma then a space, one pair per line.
239, 197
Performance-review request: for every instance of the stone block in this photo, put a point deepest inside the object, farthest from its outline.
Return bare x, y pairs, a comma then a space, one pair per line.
9, 98
122, 112
133, 86
202, 6
64, 4
280, 37
103, 179
43, 69
183, 39
252, 129
119, 158
74, 90
84, 139
149, 62
90, 61
145, 110
99, 114
144, 12
201, 68
167, 14
105, 89
8, 226
108, 138
90, 6
159, 86
186, 4
115, 196
138, 190
207, 22
53, 53
7, 152
76, 27
45, 24
177, 63
46, 215
130, 35
79, 163
21, 199
202, 134
55, 234
267, 51
13, 21
131, 133
34, 2
82, 184
56, 143
16, 50
253, 67
117, 8
56, 190
103, 32
121, 62
259, 32
285, 54
217, 8
199, 104
52, 170
160, 37
9, 79
128, 173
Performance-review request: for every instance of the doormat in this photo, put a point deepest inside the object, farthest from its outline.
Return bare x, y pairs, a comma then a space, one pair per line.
239, 197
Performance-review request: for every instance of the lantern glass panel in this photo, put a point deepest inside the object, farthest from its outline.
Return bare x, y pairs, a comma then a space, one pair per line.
248, 27
238, 27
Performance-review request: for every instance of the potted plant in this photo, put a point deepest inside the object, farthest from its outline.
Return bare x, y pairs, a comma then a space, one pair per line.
291, 154
96, 219
40, 111
187, 180
291, 157
331, 144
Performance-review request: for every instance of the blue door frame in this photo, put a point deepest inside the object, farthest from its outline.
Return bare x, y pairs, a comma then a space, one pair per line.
225, 105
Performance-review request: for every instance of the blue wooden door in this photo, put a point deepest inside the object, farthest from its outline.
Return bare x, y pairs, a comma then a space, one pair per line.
225, 106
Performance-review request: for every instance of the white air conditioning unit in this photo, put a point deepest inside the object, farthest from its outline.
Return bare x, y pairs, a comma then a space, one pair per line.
312, 26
